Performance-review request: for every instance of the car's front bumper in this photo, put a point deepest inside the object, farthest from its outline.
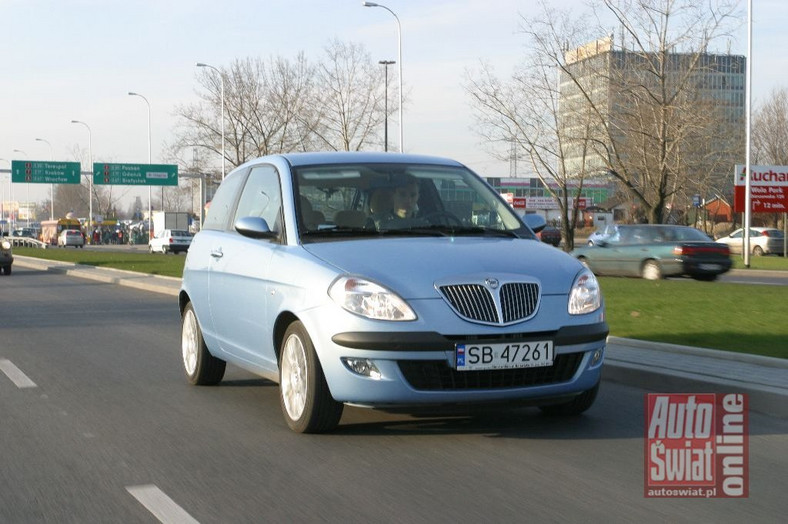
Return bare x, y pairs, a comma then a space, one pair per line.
418, 367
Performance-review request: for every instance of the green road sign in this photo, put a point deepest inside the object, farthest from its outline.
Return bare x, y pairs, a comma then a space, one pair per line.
35, 172
135, 174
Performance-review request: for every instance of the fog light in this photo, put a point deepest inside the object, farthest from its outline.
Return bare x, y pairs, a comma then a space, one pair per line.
596, 357
362, 366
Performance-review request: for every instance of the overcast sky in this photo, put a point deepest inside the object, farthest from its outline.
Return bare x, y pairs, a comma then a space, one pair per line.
63, 60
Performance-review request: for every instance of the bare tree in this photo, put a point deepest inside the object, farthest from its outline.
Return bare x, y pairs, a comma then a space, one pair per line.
661, 108
348, 106
770, 135
280, 105
770, 130
524, 111
263, 103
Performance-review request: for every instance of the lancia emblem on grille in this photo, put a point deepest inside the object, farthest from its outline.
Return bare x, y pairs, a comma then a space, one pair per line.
492, 283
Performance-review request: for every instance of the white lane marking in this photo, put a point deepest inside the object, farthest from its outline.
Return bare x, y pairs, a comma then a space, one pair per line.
162, 506
15, 374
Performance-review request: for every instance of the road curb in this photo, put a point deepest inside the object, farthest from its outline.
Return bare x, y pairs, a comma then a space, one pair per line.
759, 360
142, 281
685, 369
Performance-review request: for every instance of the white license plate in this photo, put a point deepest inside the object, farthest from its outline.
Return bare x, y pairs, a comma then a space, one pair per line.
709, 267
472, 357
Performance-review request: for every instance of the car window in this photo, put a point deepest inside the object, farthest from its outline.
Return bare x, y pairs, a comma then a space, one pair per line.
362, 198
262, 197
222, 203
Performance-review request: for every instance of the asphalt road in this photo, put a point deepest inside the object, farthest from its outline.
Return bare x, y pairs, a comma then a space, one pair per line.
99, 425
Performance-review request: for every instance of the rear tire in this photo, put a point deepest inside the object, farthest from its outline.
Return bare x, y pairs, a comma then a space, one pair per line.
651, 270
304, 396
202, 368
574, 407
757, 251
7, 270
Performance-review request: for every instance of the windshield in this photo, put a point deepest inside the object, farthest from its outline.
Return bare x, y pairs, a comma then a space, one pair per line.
399, 199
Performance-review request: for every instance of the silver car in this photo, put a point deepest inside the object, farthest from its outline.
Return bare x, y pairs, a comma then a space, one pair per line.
71, 237
385, 280
763, 241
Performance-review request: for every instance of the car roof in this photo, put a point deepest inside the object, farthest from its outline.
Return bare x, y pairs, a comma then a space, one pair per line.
350, 157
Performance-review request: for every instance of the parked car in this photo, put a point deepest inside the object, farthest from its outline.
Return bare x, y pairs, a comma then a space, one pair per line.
70, 237
763, 241
170, 241
601, 234
550, 235
656, 251
294, 278
6, 256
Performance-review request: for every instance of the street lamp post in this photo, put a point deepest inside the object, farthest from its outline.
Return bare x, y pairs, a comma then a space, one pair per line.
386, 64
2, 202
399, 60
150, 198
221, 79
27, 208
51, 186
90, 179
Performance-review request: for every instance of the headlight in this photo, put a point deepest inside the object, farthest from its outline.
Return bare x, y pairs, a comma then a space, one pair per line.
6, 244
369, 299
585, 296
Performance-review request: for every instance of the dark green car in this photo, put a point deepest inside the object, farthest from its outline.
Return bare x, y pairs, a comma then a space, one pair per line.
656, 251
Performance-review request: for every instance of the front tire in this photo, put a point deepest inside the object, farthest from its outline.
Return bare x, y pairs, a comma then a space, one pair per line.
7, 270
574, 407
202, 368
304, 396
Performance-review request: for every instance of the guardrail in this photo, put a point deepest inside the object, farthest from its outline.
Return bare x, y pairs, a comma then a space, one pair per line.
26, 242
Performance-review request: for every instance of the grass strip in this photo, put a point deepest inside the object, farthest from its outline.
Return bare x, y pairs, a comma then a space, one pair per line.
166, 265
732, 317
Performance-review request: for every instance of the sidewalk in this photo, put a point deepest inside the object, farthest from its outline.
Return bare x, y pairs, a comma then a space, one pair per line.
659, 367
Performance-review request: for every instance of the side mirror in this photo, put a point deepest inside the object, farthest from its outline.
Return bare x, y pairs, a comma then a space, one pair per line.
536, 222
254, 227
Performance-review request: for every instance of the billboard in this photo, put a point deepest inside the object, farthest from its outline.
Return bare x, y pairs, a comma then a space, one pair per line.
768, 189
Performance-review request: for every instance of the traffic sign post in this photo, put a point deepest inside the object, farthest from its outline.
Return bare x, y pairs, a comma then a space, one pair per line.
34, 172
135, 174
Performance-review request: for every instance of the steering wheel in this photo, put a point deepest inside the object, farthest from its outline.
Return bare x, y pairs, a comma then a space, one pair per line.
442, 218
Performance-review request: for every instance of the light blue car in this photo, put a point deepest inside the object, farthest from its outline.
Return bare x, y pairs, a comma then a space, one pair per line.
388, 281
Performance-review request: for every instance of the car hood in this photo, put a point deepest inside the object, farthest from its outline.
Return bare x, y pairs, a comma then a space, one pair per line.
411, 266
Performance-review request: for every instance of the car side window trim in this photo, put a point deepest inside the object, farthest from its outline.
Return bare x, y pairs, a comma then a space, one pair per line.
261, 179
230, 185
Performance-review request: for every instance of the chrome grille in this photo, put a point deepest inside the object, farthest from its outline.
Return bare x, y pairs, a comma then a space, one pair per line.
518, 301
472, 301
512, 302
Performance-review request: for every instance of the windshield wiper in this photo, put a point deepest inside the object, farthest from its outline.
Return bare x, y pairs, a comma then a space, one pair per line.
339, 231
481, 230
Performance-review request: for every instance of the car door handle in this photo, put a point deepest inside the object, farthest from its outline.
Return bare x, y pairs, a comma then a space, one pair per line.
217, 253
